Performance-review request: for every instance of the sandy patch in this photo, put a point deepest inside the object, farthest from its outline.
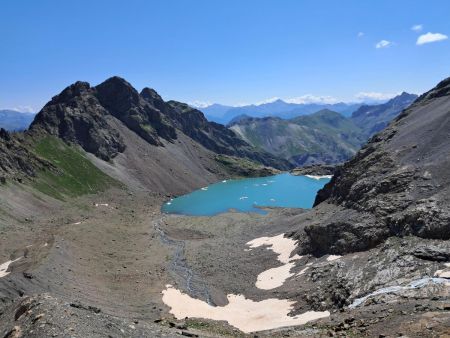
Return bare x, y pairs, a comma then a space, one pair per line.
279, 244
5, 266
317, 177
275, 277
443, 273
245, 314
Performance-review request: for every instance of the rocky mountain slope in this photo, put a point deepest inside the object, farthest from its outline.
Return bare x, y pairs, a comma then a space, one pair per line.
12, 120
16, 160
323, 137
397, 185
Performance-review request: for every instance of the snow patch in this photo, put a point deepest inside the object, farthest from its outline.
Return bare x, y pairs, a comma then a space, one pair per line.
245, 314
4, 267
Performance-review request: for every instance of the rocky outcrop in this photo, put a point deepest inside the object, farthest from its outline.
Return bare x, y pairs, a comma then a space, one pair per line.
124, 102
432, 253
397, 185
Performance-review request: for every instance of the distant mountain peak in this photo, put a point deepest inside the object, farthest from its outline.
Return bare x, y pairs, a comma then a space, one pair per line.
326, 111
373, 118
13, 120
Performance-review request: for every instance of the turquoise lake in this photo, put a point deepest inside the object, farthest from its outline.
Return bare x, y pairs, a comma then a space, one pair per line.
283, 190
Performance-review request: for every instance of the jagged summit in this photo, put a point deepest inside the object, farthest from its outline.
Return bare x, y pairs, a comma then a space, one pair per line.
117, 95
77, 116
151, 96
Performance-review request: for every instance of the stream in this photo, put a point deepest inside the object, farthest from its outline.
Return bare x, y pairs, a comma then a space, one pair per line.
191, 283
416, 284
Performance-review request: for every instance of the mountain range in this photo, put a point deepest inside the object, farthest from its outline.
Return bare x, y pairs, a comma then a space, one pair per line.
323, 137
278, 108
12, 120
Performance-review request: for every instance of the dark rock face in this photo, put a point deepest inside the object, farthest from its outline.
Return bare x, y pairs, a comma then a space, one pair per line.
81, 115
77, 116
125, 103
397, 185
432, 253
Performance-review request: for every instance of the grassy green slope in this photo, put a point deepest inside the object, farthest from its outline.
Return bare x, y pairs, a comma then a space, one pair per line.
75, 174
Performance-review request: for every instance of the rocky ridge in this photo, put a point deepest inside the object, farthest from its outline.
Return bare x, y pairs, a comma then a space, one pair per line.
397, 185
82, 114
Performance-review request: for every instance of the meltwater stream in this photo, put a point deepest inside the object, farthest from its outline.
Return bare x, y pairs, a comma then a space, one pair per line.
246, 195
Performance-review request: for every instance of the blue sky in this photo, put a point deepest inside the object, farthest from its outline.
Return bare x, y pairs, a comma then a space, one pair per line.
232, 52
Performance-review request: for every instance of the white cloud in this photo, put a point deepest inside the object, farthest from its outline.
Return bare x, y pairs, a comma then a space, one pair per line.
272, 99
417, 28
360, 34
374, 96
430, 37
199, 104
308, 98
24, 109
383, 44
